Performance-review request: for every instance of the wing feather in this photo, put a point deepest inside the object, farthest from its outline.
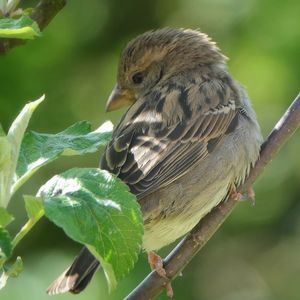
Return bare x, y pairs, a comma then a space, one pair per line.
151, 148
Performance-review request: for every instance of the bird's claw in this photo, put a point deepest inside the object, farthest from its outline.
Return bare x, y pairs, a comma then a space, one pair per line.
156, 263
234, 194
237, 196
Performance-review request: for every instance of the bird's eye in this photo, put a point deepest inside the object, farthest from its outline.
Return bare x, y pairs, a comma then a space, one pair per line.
137, 78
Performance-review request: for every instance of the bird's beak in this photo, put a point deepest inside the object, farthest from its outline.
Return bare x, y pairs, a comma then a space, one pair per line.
119, 98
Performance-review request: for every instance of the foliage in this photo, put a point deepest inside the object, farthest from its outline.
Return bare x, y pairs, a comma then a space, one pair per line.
113, 231
15, 22
93, 207
21, 28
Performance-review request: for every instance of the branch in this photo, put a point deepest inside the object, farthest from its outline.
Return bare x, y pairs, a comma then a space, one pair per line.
43, 13
183, 253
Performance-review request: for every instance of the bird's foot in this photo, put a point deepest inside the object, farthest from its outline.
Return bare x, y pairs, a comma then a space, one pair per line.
234, 194
156, 263
237, 196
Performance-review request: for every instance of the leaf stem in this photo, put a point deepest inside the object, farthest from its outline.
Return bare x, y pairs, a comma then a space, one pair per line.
20, 182
26, 228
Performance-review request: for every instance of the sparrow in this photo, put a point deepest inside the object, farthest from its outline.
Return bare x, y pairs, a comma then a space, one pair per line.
188, 138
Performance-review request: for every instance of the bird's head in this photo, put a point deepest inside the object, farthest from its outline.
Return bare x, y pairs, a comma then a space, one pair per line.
156, 56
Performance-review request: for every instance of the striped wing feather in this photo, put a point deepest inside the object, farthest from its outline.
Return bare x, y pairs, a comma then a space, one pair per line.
152, 147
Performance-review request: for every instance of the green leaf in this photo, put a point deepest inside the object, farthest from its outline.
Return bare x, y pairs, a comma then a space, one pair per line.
5, 245
5, 217
39, 149
14, 137
16, 268
34, 207
21, 28
96, 208
5, 149
12, 271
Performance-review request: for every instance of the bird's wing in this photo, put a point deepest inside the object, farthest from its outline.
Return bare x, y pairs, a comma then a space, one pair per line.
164, 135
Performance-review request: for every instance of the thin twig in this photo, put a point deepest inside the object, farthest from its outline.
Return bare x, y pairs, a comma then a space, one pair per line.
183, 253
43, 13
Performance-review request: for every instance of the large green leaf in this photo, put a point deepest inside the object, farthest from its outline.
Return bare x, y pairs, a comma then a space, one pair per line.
14, 137
39, 149
96, 208
21, 28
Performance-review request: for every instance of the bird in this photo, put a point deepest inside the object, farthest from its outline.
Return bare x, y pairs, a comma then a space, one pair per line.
188, 138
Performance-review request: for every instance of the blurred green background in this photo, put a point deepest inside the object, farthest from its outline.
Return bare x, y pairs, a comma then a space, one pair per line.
256, 254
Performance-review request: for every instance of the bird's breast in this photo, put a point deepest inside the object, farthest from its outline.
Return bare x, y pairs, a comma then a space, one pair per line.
174, 210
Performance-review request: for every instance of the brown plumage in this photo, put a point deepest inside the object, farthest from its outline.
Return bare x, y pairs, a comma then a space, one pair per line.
188, 136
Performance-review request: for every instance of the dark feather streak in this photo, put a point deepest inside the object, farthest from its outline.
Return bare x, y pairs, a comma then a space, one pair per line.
183, 97
176, 133
234, 123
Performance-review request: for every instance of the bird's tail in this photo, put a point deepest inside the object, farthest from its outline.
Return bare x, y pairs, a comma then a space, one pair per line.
77, 276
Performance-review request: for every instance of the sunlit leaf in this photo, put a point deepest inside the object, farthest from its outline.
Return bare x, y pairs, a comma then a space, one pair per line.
96, 208
34, 207
5, 149
5, 217
20, 28
14, 137
39, 149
